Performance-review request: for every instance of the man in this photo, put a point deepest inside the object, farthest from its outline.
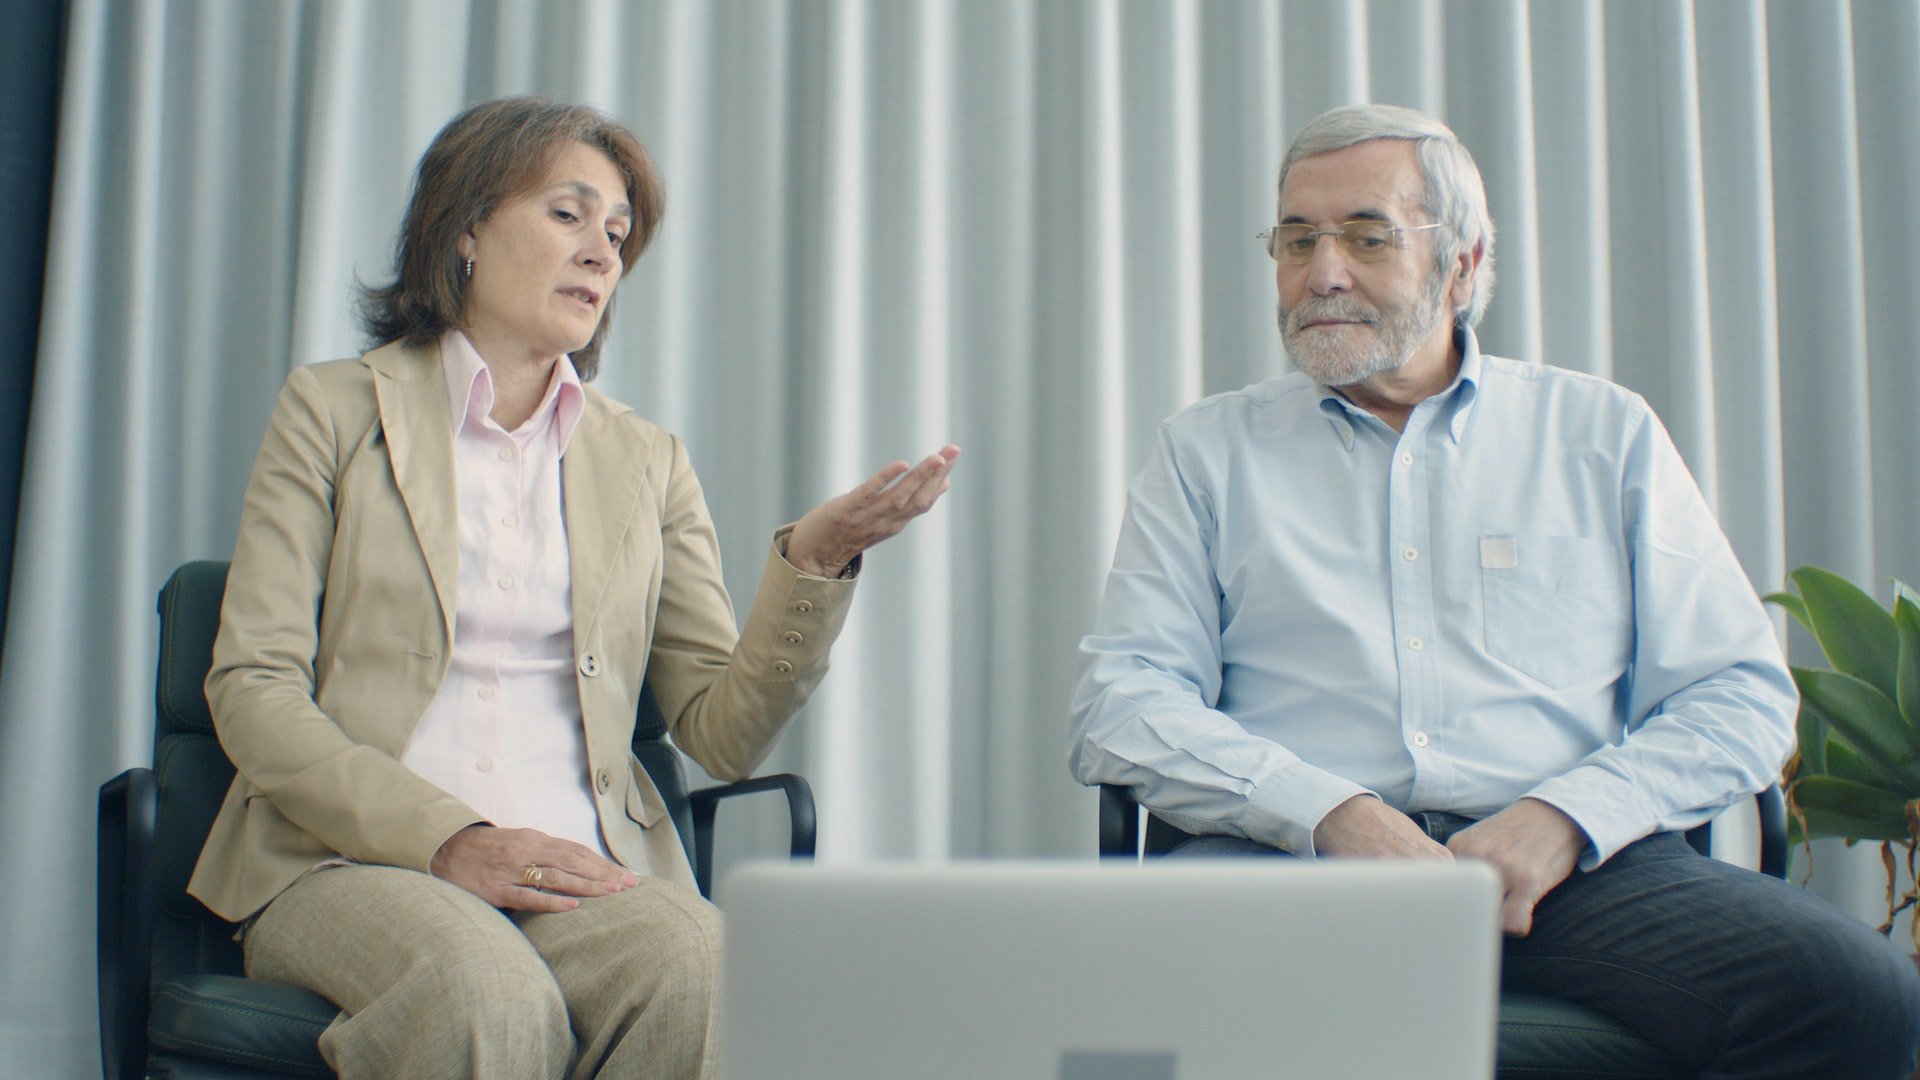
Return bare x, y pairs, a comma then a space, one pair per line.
1417, 602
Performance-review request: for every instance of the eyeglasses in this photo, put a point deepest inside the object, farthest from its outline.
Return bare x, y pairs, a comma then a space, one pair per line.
1363, 240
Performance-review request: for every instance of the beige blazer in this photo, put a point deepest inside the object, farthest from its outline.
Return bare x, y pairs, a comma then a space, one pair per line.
339, 610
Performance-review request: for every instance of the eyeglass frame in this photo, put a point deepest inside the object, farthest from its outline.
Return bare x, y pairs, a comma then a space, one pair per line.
1269, 242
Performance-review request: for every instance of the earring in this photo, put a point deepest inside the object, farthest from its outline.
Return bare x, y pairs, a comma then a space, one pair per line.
469, 267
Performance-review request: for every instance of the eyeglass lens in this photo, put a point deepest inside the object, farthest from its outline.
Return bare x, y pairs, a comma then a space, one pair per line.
1363, 241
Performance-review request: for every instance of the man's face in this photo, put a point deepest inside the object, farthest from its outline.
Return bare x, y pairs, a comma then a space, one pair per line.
1341, 320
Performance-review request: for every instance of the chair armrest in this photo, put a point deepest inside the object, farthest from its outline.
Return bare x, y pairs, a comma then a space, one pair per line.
706, 803
124, 920
1119, 823
1771, 810
1772, 807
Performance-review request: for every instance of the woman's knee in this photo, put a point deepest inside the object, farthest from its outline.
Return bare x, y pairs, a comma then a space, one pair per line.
685, 954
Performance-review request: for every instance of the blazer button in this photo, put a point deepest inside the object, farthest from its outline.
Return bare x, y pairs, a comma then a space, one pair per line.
794, 637
603, 780
782, 667
803, 606
590, 666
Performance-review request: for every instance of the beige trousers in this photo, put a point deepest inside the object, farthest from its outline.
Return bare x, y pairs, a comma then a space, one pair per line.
434, 982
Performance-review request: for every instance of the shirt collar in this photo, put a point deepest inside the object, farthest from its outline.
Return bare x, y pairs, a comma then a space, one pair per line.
470, 390
1456, 401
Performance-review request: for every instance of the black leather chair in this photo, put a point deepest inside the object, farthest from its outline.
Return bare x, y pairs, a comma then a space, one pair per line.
173, 1001
1540, 1038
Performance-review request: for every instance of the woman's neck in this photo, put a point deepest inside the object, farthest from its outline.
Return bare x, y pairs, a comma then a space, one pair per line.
519, 377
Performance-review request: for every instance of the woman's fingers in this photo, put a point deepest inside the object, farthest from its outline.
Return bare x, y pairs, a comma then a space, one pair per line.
918, 488
876, 485
526, 869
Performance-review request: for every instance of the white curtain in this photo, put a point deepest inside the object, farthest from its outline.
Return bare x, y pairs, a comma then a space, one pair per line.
1026, 227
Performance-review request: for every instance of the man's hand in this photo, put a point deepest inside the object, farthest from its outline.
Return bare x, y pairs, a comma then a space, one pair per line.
1534, 847
1366, 827
492, 864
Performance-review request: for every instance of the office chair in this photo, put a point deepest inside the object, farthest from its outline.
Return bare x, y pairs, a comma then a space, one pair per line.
173, 999
1539, 1038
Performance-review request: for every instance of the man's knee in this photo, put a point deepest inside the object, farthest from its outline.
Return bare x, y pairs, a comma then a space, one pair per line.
1864, 997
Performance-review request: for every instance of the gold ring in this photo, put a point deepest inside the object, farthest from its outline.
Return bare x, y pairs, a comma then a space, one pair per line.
532, 876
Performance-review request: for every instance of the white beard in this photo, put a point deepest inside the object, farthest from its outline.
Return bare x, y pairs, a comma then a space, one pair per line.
1342, 357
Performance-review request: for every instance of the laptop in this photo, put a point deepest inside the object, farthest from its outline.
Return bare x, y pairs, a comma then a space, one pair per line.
1172, 970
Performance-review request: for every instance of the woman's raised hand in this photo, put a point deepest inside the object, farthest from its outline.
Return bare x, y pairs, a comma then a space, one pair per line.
525, 869
835, 532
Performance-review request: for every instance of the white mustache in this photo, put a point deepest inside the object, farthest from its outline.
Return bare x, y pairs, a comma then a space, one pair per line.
1344, 310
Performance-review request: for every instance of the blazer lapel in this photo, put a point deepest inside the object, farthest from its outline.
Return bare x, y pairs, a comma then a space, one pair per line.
412, 395
601, 478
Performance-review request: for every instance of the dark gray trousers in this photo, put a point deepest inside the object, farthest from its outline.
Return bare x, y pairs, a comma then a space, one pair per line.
1735, 973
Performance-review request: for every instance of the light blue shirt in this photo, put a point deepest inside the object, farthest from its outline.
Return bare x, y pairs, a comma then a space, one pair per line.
1523, 594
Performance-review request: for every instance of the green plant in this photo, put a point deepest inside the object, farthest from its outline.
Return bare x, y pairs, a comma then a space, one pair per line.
1856, 775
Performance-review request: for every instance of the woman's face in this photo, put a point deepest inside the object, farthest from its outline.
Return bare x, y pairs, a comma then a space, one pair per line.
545, 265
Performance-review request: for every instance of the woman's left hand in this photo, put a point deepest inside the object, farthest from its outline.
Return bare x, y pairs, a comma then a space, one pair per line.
835, 532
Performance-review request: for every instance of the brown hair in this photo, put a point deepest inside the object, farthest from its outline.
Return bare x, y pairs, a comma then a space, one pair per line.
491, 154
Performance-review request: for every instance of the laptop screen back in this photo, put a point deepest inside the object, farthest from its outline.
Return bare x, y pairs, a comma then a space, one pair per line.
1182, 970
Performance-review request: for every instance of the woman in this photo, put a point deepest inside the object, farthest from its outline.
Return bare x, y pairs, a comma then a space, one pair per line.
456, 566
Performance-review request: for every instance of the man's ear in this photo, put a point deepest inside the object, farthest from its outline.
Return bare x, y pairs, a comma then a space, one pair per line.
1466, 266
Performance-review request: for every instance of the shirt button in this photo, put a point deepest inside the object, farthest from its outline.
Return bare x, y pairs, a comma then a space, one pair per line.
1406, 459
794, 637
783, 667
803, 606
1409, 553
589, 665
602, 780
486, 693
506, 582
1416, 644
485, 764
510, 521
506, 454
1419, 738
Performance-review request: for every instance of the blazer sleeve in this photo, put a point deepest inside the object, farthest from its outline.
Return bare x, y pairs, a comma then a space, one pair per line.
727, 693
356, 799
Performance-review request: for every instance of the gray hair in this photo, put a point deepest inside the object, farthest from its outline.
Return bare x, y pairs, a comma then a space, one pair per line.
1455, 194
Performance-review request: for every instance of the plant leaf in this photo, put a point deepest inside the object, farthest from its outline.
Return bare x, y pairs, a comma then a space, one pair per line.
1814, 743
1867, 721
1844, 764
1855, 632
1836, 807
1906, 623
1793, 606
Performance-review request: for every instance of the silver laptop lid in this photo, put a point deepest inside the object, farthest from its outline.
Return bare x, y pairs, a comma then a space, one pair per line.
1173, 970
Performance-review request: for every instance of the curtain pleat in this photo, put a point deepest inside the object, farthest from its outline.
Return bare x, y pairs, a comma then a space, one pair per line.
1025, 228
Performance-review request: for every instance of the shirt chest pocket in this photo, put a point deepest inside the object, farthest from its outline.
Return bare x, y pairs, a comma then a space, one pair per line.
1557, 608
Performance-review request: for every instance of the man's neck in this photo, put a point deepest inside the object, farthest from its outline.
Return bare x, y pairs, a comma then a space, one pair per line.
1392, 395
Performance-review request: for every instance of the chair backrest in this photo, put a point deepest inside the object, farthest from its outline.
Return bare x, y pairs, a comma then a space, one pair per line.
192, 774
663, 764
